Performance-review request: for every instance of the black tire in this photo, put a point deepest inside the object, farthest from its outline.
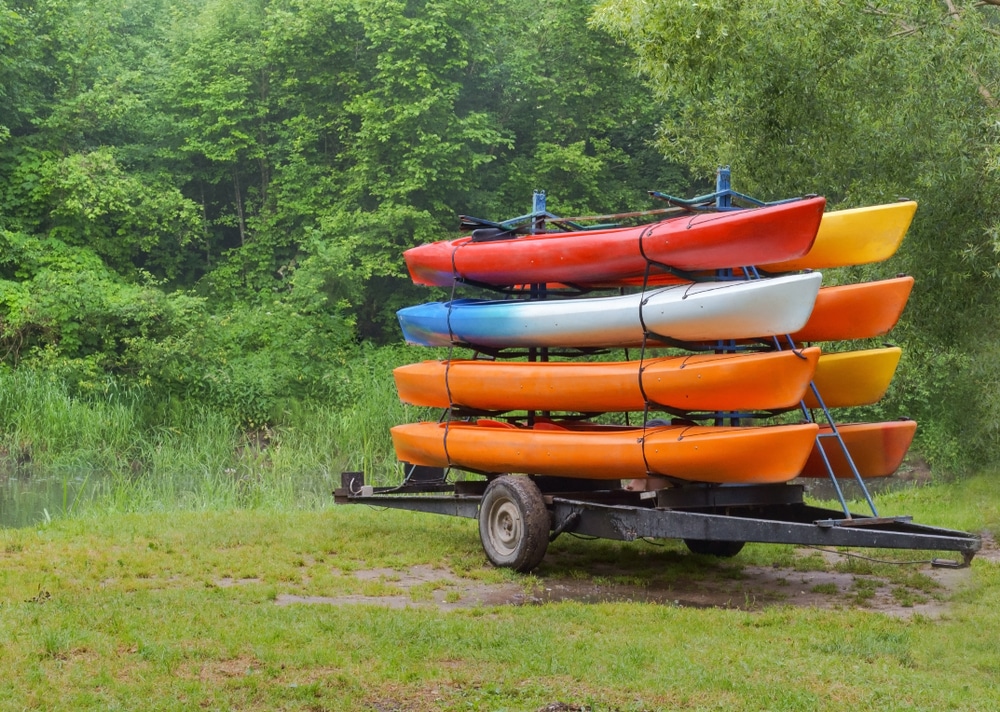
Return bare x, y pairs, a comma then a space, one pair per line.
722, 549
514, 524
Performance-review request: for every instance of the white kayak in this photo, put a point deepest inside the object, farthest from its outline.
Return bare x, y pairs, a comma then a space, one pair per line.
701, 311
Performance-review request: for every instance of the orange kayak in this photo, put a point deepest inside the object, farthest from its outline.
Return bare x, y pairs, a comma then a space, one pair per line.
702, 382
853, 377
757, 455
856, 311
877, 449
845, 312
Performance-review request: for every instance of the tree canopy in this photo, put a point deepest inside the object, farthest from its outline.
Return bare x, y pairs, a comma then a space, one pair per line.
186, 186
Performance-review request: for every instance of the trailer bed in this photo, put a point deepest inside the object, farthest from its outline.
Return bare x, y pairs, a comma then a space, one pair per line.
711, 519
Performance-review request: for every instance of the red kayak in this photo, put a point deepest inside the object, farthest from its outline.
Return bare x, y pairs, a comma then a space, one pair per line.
700, 241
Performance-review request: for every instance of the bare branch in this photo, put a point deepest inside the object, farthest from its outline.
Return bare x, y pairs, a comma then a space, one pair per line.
987, 97
905, 28
872, 10
991, 101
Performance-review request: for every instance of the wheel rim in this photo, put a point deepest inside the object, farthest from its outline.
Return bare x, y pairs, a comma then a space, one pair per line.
505, 527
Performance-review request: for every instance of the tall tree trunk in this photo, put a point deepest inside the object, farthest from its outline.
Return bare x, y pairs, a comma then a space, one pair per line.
239, 208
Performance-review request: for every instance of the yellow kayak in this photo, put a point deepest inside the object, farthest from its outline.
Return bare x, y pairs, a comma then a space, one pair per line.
853, 377
854, 237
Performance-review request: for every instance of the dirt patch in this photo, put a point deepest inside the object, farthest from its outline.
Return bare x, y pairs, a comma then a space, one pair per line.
990, 550
920, 589
423, 586
229, 582
218, 671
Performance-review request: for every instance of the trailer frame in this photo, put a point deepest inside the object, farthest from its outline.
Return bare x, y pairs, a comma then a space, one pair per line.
714, 520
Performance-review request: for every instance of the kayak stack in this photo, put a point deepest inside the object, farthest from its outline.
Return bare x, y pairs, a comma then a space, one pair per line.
679, 376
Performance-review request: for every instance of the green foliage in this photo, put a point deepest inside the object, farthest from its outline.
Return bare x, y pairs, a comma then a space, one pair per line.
77, 320
238, 428
861, 104
250, 363
62, 299
129, 220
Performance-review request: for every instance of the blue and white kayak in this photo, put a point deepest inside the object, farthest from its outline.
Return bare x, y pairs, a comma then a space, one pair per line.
702, 311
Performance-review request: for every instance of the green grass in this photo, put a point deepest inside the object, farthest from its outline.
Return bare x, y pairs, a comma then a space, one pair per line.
179, 610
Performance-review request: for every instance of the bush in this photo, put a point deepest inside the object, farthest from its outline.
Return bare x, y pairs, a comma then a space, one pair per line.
77, 321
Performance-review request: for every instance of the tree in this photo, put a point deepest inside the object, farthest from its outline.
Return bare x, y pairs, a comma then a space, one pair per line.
70, 167
582, 126
268, 163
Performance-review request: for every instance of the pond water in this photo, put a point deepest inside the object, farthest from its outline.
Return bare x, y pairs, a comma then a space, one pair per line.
28, 498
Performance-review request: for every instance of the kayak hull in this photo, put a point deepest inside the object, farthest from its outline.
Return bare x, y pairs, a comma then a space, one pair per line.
720, 455
846, 237
689, 312
854, 237
877, 449
703, 382
853, 378
691, 242
856, 311
773, 380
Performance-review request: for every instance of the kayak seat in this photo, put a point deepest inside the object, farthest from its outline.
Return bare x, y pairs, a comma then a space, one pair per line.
548, 424
491, 234
488, 423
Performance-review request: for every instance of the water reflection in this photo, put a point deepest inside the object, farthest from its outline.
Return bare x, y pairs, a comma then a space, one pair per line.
28, 497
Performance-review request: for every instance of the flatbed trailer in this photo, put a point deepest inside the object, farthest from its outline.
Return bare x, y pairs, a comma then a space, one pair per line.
520, 515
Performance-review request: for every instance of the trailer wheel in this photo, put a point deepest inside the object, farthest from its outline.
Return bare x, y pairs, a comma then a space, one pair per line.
707, 547
514, 523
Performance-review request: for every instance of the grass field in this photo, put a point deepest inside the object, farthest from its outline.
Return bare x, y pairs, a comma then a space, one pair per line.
353, 608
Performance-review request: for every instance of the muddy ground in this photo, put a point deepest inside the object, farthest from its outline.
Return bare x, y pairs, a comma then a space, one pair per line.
924, 589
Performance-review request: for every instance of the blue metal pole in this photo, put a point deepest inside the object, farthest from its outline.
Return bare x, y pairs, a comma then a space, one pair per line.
538, 208
723, 186
723, 199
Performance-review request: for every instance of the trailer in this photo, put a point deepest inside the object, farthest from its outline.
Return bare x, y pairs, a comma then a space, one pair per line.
519, 515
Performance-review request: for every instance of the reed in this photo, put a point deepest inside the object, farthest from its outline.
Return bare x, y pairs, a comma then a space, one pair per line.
136, 449
142, 450
42, 422
362, 426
